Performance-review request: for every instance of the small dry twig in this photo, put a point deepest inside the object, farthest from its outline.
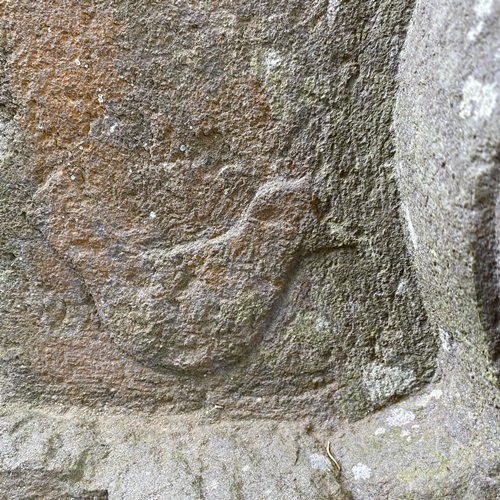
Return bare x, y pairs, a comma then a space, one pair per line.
331, 456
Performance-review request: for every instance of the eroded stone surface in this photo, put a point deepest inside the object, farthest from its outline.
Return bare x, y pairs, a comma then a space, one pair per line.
199, 207
71, 454
440, 443
198, 211
449, 175
448, 137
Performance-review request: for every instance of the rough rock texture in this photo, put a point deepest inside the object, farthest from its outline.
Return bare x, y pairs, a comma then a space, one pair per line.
449, 173
77, 453
447, 124
200, 209
231, 231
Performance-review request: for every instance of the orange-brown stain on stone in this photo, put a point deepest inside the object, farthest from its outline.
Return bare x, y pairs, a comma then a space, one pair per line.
62, 72
62, 60
79, 362
63, 55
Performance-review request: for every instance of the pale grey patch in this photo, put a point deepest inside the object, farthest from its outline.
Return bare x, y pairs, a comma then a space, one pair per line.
479, 99
361, 472
319, 462
400, 417
382, 382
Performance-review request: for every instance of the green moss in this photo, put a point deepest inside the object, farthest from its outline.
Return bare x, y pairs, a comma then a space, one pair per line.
351, 399
237, 488
181, 459
245, 309
377, 445
415, 473
198, 485
77, 472
303, 346
4, 215
306, 333
54, 444
12, 223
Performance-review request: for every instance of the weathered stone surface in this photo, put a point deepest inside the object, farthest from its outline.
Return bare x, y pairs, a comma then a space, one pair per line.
448, 173
200, 207
447, 128
434, 445
70, 454
209, 213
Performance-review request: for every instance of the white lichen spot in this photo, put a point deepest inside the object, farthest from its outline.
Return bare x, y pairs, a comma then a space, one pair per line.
113, 128
476, 31
406, 435
402, 288
400, 417
380, 431
483, 8
152, 215
322, 324
273, 60
332, 11
40, 126
382, 382
411, 229
80, 148
72, 177
183, 147
77, 61
361, 472
423, 401
100, 98
319, 462
444, 336
436, 393
479, 99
